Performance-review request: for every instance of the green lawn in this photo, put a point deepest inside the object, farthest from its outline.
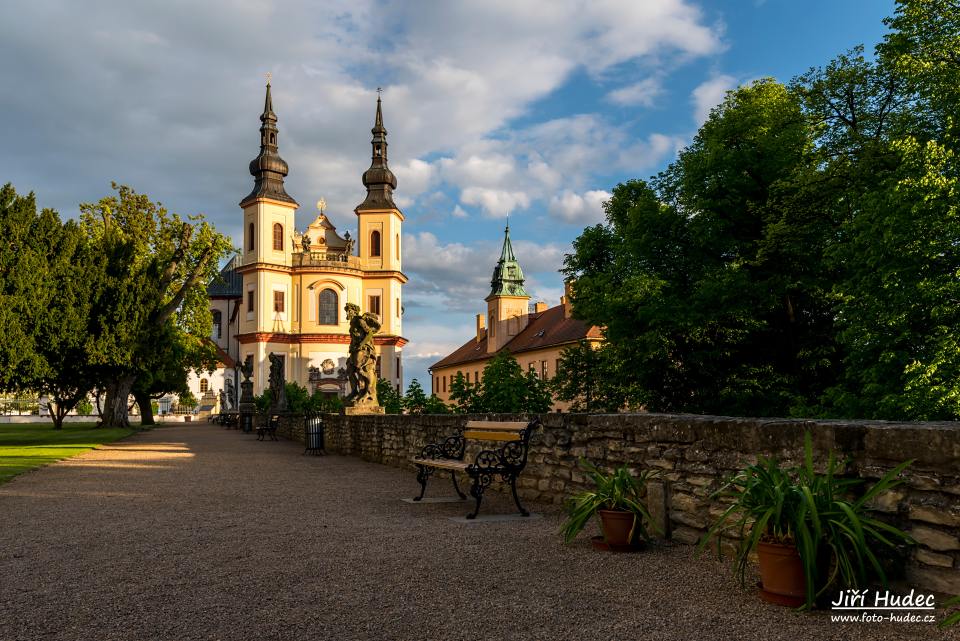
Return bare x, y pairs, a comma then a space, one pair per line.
25, 447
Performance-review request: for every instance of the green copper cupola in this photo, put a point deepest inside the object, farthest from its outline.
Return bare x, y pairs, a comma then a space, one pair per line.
507, 276
268, 168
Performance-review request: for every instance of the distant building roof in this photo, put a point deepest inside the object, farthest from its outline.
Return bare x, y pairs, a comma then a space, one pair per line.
549, 328
229, 284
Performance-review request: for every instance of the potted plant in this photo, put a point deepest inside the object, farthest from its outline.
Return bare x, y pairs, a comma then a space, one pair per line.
810, 532
617, 499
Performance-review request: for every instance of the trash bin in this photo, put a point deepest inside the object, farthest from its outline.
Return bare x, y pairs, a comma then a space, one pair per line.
313, 434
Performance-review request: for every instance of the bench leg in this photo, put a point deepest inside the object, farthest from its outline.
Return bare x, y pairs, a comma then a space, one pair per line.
453, 475
480, 483
423, 475
516, 499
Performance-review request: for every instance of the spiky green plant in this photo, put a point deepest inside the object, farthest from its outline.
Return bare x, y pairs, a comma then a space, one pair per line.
834, 531
953, 618
617, 491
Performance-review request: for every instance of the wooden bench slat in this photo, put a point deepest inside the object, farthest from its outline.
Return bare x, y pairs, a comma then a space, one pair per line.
441, 463
484, 435
505, 426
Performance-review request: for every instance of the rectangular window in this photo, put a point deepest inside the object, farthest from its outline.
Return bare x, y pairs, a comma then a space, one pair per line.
250, 301
532, 368
444, 384
373, 304
278, 302
543, 370
398, 308
378, 368
557, 366
398, 367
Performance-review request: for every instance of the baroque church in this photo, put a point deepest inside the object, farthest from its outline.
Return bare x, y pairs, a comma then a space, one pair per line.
534, 335
285, 292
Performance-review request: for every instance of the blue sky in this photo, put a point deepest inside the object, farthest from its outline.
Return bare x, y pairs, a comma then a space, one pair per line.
532, 110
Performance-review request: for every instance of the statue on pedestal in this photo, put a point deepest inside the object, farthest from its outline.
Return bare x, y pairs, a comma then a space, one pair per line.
278, 390
362, 364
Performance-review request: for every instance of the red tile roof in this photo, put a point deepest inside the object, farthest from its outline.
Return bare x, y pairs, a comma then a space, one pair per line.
546, 329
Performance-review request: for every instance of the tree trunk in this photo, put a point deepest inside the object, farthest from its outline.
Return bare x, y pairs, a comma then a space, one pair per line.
114, 413
57, 412
145, 403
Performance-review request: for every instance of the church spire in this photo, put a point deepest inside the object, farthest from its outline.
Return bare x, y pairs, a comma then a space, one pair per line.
268, 168
507, 276
378, 179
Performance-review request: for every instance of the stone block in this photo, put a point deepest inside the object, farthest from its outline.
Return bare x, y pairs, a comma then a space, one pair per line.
935, 539
684, 503
935, 579
888, 501
937, 516
932, 558
660, 464
657, 505
543, 485
688, 518
686, 535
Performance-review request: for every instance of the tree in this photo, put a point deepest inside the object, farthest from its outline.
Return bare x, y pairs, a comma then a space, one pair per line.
389, 398
586, 377
154, 267
506, 389
466, 396
45, 305
415, 400
435, 406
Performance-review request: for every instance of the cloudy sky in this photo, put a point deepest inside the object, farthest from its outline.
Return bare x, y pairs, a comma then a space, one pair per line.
532, 109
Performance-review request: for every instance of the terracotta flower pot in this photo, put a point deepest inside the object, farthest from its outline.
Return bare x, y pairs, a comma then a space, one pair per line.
616, 525
781, 574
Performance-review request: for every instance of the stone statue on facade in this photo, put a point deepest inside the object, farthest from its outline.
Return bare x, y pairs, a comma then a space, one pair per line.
305, 242
278, 391
362, 364
350, 243
230, 395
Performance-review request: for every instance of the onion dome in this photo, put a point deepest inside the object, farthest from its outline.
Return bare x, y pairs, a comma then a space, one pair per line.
268, 168
378, 179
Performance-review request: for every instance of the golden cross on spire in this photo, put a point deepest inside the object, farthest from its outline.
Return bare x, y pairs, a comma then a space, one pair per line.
269, 77
321, 205
379, 91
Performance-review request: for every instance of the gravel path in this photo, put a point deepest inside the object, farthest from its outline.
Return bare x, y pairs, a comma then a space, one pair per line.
195, 532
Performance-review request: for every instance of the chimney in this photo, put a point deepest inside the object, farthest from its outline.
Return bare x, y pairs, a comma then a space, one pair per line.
567, 299
481, 327
540, 307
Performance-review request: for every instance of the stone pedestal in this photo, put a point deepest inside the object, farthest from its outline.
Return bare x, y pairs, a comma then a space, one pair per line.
247, 406
363, 409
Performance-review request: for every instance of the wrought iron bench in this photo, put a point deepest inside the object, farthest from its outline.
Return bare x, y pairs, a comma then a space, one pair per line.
506, 461
269, 429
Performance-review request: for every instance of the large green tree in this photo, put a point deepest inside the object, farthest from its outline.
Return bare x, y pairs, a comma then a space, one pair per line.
44, 304
153, 270
801, 255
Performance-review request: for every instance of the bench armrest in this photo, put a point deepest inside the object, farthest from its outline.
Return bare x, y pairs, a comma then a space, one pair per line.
452, 447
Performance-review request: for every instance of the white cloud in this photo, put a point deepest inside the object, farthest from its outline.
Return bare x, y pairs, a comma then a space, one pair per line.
497, 203
458, 212
709, 94
640, 94
414, 176
585, 209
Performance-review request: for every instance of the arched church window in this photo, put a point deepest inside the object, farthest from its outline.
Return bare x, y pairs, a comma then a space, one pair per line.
328, 308
278, 237
204, 385
250, 237
273, 139
217, 327
375, 243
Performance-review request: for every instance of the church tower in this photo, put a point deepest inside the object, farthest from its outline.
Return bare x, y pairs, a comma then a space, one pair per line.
508, 301
379, 228
268, 227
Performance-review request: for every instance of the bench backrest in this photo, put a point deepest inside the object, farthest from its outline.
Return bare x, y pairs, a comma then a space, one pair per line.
494, 430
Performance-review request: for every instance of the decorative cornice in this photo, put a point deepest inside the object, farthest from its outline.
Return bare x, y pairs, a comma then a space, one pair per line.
336, 339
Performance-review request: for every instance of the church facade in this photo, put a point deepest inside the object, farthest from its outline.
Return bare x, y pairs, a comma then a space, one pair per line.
285, 292
535, 336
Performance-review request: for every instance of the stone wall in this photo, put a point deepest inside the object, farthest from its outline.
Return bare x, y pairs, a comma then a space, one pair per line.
695, 453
